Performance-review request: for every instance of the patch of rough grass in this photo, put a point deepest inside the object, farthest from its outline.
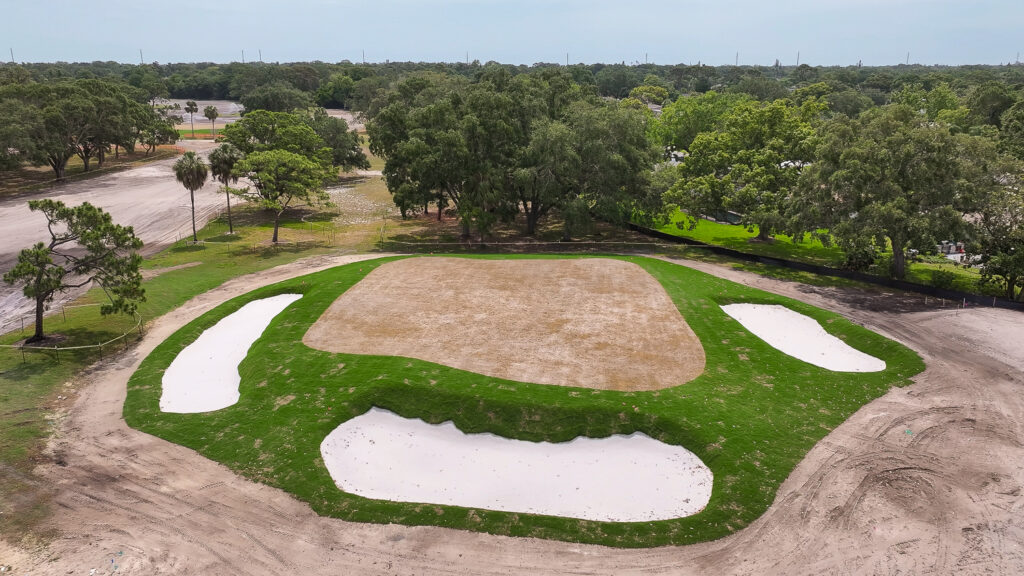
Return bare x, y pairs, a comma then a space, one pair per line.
750, 434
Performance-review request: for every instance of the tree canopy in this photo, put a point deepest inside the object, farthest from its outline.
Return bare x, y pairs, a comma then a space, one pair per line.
85, 246
277, 97
749, 165
223, 160
48, 124
192, 172
280, 177
504, 144
895, 179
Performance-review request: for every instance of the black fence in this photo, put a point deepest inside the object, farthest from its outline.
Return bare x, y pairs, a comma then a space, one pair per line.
978, 299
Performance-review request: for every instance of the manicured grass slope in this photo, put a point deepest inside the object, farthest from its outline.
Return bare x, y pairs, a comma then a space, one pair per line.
751, 417
740, 239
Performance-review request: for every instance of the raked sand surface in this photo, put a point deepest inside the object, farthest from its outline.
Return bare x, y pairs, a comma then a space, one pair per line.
617, 479
204, 375
802, 337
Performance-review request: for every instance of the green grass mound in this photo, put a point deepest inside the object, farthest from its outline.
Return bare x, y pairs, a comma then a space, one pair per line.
751, 417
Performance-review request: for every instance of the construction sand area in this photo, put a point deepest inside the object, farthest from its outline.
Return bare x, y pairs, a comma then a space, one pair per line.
867, 499
619, 478
591, 322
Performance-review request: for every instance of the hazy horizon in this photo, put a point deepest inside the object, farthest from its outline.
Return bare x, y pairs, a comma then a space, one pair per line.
837, 33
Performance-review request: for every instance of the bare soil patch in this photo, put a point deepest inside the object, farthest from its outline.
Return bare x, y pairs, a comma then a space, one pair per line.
594, 323
154, 272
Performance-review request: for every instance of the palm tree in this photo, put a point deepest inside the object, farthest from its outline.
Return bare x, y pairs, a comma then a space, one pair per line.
191, 171
211, 114
222, 164
191, 107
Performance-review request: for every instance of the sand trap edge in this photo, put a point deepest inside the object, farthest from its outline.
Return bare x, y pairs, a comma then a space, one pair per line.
204, 377
619, 478
801, 337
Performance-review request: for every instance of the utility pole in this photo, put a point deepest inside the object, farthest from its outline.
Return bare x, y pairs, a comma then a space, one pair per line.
243, 55
645, 57
798, 58
260, 50
908, 58
467, 57
364, 56
737, 58
12, 56
141, 61
566, 59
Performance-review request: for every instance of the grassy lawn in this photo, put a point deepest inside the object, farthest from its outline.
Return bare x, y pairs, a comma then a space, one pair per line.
375, 162
200, 133
740, 239
813, 252
29, 178
751, 417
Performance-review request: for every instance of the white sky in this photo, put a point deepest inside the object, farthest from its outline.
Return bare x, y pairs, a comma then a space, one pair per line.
527, 31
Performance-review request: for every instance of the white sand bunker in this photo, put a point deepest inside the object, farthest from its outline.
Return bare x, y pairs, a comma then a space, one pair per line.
616, 479
594, 322
204, 376
802, 337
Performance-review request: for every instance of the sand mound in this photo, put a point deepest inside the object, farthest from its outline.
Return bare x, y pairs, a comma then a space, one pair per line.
594, 322
615, 479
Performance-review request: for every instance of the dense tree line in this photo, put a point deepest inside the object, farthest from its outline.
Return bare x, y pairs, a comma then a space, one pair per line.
933, 158
502, 145
50, 123
869, 158
354, 86
931, 163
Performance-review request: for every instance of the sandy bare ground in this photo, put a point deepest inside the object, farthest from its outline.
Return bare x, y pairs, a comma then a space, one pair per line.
227, 111
230, 112
354, 121
147, 198
594, 322
868, 499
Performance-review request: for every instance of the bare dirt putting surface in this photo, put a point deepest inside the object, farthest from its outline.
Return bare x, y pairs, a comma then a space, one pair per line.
619, 478
594, 322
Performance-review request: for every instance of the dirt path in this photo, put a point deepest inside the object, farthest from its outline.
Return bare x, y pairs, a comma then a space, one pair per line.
925, 480
147, 197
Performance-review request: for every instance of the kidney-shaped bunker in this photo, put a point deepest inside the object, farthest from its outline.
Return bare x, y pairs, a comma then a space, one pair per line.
204, 376
615, 479
802, 337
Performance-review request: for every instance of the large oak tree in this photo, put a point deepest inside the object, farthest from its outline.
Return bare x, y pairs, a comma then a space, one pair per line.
279, 178
897, 180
